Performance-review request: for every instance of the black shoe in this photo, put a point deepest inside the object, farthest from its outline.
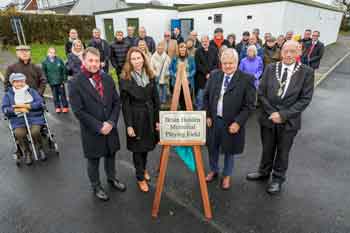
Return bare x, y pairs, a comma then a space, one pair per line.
42, 155
274, 188
255, 176
28, 159
115, 183
101, 194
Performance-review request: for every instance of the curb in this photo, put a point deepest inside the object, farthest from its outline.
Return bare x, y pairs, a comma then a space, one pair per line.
325, 75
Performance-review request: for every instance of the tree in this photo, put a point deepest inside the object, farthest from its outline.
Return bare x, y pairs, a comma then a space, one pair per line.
345, 5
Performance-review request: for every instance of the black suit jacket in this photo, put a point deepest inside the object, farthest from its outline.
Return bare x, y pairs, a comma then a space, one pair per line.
91, 111
205, 63
298, 96
238, 102
316, 55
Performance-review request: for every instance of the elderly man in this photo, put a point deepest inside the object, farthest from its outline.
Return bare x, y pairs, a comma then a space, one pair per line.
194, 37
34, 75
313, 51
285, 91
170, 45
96, 104
207, 60
130, 38
102, 46
228, 99
149, 40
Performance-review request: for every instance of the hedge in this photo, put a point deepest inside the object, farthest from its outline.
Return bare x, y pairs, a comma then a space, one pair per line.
47, 28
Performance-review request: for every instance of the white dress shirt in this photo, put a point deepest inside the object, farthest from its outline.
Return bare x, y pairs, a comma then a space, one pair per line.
290, 72
222, 92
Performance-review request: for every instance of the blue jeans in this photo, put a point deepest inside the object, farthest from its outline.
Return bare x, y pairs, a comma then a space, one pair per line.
214, 151
162, 90
59, 96
199, 99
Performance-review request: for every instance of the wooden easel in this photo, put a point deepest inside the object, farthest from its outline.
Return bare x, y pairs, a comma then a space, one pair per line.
181, 82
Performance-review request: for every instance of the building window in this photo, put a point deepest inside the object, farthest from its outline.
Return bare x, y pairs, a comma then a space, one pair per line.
218, 18
249, 17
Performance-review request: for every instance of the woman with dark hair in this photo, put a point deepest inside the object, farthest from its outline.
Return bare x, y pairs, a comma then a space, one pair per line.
231, 38
140, 104
190, 67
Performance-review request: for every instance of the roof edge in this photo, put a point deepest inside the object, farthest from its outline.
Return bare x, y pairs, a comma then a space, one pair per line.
136, 6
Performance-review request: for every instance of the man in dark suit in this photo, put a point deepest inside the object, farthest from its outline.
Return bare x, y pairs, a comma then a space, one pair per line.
313, 51
96, 104
285, 91
229, 97
207, 60
102, 46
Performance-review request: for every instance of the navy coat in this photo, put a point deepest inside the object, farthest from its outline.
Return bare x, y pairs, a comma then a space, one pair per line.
92, 110
238, 102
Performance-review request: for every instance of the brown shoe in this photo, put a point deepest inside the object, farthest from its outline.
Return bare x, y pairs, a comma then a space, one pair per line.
147, 176
143, 186
211, 177
226, 183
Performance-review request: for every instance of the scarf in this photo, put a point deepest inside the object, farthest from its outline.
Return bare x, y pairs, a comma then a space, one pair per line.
78, 54
141, 79
219, 41
22, 95
95, 78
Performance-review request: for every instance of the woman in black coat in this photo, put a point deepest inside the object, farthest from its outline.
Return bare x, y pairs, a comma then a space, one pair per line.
140, 104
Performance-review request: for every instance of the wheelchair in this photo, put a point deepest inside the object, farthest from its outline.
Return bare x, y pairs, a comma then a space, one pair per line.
47, 136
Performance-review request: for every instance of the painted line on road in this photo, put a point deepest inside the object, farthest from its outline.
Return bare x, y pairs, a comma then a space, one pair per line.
173, 197
324, 76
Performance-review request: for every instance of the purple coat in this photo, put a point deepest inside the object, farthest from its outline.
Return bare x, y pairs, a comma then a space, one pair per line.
254, 67
35, 115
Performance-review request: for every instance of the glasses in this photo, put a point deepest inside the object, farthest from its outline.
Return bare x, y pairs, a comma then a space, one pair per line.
166, 35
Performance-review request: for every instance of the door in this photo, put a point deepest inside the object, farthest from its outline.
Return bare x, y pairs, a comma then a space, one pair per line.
109, 29
186, 27
134, 22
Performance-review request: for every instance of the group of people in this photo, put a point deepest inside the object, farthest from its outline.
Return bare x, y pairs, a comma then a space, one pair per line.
225, 79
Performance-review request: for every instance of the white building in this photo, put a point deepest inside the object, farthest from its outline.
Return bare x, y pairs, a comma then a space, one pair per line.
275, 16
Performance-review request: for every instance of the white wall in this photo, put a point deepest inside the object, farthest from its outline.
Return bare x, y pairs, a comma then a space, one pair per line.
326, 21
156, 21
267, 17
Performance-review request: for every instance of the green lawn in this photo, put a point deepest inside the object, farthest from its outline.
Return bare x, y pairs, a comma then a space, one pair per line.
39, 53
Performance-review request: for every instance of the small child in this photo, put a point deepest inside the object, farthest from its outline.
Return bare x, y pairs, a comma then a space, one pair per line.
56, 75
22, 99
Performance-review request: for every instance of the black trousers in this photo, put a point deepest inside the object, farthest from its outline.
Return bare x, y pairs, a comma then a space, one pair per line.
140, 162
276, 143
94, 173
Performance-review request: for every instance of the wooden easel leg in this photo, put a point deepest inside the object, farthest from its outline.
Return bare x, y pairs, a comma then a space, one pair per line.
202, 182
160, 182
160, 159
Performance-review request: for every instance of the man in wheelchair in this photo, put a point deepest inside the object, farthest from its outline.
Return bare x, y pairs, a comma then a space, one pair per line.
24, 108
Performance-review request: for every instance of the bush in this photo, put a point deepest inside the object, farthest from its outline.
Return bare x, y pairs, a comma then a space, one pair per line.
51, 29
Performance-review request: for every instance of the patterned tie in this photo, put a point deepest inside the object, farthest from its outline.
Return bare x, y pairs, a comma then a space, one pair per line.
226, 82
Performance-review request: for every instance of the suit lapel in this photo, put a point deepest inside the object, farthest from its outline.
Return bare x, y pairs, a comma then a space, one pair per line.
88, 86
218, 85
233, 82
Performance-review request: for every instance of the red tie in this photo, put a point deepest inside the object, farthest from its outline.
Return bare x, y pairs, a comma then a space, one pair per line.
311, 49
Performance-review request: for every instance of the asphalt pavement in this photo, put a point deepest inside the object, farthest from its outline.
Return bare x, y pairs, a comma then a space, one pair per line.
54, 196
